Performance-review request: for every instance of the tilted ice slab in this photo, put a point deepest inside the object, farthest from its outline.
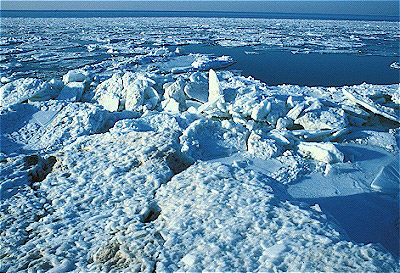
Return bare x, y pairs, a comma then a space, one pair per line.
369, 104
320, 119
216, 217
383, 140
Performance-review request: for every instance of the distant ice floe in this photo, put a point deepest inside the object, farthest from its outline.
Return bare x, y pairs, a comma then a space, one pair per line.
75, 42
163, 162
395, 65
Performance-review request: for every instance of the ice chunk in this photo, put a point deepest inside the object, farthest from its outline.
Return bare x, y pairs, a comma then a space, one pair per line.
259, 105
25, 89
189, 259
295, 112
176, 92
56, 84
151, 98
284, 123
277, 111
139, 91
319, 119
214, 91
133, 92
111, 88
261, 110
171, 105
395, 65
396, 97
292, 101
76, 76
206, 139
130, 91
204, 62
4, 80
262, 147
197, 91
324, 152
388, 178
110, 101
72, 91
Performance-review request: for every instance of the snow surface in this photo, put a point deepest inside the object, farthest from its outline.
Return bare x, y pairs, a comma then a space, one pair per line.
159, 163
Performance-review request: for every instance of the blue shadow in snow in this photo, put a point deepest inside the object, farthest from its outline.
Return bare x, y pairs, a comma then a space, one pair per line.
353, 153
366, 218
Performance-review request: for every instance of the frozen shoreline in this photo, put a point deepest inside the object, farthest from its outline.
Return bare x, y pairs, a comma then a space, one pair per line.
97, 174
156, 162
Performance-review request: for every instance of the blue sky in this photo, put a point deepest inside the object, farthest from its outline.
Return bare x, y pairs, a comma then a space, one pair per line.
366, 7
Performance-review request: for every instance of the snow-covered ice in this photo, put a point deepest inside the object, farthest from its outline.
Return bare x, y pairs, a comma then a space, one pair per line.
149, 158
26, 89
216, 217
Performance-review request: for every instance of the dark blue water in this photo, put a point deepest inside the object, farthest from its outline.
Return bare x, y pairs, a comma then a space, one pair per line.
313, 69
205, 14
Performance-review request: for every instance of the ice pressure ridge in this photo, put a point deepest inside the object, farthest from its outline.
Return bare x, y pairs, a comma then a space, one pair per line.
144, 171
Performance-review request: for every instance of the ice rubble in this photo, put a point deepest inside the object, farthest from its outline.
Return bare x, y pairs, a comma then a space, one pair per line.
26, 89
109, 180
129, 91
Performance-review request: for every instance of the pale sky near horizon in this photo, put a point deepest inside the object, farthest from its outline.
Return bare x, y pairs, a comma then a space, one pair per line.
366, 7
